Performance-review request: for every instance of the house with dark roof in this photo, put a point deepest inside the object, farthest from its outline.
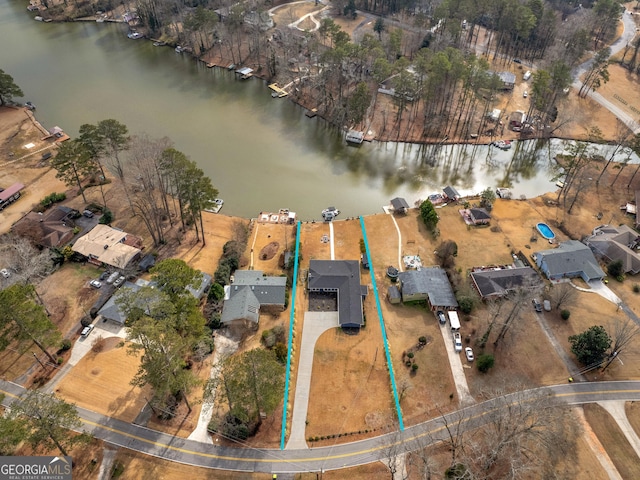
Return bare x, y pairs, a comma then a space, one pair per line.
617, 243
111, 311
451, 194
430, 283
52, 228
399, 205
251, 293
339, 278
479, 216
500, 282
569, 260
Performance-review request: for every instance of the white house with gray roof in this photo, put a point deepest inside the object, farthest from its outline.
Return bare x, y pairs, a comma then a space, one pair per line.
251, 292
571, 259
617, 243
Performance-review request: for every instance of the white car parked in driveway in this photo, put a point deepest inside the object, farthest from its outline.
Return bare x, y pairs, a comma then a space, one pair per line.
468, 352
457, 342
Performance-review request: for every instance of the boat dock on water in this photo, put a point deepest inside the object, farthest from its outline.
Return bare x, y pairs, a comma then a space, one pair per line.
214, 205
277, 92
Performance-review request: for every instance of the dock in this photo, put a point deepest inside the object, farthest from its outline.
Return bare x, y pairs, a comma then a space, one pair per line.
311, 113
283, 216
245, 72
277, 91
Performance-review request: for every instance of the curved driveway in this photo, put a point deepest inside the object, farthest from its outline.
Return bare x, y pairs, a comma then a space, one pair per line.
190, 452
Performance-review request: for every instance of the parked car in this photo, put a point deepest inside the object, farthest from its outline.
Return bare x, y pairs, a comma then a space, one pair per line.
527, 75
88, 213
113, 277
86, 331
5, 273
547, 305
104, 275
537, 305
119, 281
468, 352
364, 260
95, 283
442, 317
457, 342
525, 94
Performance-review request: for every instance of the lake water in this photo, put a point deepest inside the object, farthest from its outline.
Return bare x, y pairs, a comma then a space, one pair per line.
261, 153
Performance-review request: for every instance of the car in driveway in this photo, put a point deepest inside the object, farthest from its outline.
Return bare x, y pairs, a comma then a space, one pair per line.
119, 281
525, 94
441, 317
86, 331
536, 305
457, 342
468, 352
95, 283
113, 277
104, 275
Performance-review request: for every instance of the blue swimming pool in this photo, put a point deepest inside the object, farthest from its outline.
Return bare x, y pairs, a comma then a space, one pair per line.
545, 231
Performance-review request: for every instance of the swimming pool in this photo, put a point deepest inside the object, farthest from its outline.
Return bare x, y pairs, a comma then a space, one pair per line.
545, 231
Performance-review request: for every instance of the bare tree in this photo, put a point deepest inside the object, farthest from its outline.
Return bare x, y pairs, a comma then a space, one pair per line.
624, 331
562, 294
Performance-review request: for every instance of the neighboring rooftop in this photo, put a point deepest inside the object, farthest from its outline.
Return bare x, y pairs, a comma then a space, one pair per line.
617, 243
571, 259
499, 282
104, 244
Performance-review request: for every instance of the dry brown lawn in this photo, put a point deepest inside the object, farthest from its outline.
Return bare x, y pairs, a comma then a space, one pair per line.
618, 448
100, 382
633, 414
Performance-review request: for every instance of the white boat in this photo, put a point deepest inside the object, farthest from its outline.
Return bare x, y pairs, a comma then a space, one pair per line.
179, 49
134, 35
214, 205
328, 214
354, 136
502, 144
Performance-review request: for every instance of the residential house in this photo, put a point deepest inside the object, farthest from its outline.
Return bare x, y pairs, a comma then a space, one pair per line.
499, 282
617, 243
250, 294
10, 195
342, 279
52, 228
569, 260
199, 291
479, 216
508, 80
110, 310
109, 246
399, 205
430, 283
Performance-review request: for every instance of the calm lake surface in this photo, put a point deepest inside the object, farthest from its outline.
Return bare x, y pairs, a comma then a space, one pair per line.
261, 153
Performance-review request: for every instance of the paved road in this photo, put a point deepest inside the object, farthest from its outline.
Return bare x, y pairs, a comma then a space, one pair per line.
190, 452
627, 36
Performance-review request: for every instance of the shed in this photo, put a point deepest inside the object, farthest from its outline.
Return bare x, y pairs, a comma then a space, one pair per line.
399, 205
393, 294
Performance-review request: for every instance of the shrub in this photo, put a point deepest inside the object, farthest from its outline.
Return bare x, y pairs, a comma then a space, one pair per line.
65, 344
49, 200
615, 268
422, 340
565, 314
280, 350
636, 288
60, 360
414, 367
466, 304
363, 249
485, 362
107, 217
410, 355
216, 292
98, 345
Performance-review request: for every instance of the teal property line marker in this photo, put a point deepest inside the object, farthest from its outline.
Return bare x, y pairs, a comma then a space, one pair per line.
290, 342
382, 328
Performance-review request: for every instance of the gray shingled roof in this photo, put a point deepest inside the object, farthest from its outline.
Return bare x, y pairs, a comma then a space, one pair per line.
242, 306
498, 283
342, 276
451, 193
204, 285
399, 204
268, 290
617, 243
431, 280
111, 311
569, 258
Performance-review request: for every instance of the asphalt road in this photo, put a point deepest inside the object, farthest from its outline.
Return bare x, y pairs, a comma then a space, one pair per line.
190, 452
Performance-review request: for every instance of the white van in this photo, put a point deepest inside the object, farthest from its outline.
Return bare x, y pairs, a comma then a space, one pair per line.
454, 321
527, 75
